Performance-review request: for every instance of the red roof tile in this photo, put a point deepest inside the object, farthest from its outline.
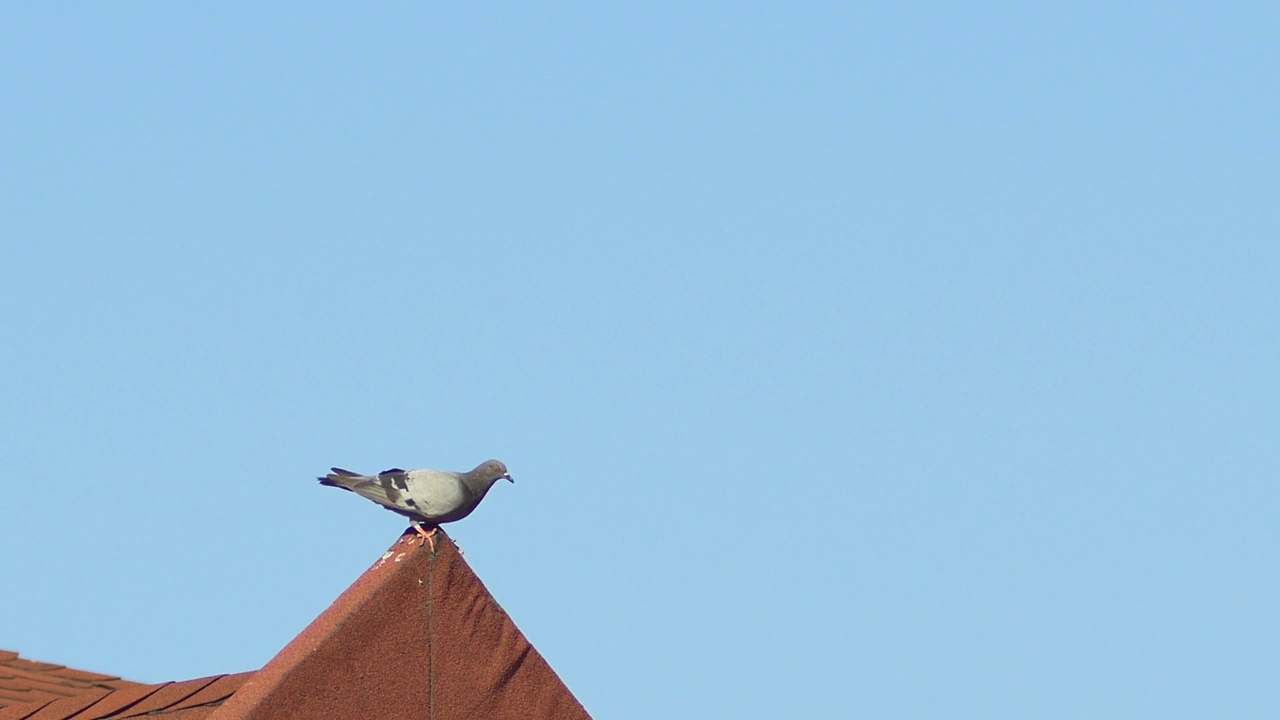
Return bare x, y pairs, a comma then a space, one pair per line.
30, 695
189, 699
65, 708
21, 712
195, 713
167, 697
119, 701
21, 684
213, 693
92, 677
33, 666
24, 681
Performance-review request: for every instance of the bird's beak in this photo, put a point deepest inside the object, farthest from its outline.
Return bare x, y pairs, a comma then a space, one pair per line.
509, 478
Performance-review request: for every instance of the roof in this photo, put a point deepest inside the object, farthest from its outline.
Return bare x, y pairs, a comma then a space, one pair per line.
25, 681
44, 691
416, 636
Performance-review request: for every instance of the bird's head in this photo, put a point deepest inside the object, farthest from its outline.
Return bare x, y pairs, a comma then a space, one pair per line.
493, 470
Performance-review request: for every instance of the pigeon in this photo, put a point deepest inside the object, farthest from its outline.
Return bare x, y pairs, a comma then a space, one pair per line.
426, 497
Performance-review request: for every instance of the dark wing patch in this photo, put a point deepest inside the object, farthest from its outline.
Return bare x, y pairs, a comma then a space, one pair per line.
395, 483
387, 489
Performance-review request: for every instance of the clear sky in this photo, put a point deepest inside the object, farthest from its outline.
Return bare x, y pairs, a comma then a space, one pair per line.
852, 360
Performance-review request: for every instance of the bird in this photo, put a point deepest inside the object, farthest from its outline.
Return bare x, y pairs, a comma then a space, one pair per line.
426, 497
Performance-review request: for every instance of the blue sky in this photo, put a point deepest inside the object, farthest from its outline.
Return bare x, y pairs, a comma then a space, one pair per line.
883, 361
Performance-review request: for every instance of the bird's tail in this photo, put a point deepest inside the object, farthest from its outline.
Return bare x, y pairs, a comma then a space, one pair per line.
341, 478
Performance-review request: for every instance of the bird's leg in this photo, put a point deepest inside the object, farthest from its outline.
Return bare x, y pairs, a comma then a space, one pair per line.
426, 536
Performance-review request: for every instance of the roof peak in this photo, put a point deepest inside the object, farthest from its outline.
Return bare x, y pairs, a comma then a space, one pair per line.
417, 635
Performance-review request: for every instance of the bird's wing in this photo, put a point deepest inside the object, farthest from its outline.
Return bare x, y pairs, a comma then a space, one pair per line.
389, 489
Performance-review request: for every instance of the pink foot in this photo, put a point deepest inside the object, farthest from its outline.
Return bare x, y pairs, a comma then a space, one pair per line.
427, 537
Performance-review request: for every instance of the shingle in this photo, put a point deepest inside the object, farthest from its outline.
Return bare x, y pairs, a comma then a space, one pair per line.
20, 683
55, 695
216, 691
47, 684
32, 665
194, 713
118, 701
170, 694
20, 697
64, 708
21, 712
18, 675
92, 678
